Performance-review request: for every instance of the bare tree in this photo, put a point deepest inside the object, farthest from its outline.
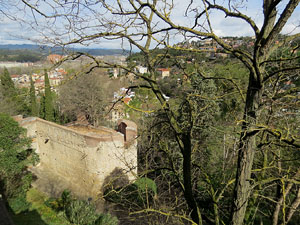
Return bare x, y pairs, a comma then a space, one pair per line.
85, 95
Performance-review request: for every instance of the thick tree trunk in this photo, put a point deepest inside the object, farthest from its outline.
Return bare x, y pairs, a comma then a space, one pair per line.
246, 153
187, 180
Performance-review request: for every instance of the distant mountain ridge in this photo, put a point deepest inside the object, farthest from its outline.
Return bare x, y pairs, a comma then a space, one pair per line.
58, 50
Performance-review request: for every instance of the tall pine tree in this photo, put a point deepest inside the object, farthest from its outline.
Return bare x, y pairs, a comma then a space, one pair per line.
33, 105
49, 108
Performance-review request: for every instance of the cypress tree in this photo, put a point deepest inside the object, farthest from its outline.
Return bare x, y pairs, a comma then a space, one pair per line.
33, 105
42, 107
49, 108
13, 100
8, 86
8, 95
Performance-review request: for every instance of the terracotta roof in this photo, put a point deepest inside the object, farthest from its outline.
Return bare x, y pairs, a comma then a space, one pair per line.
163, 69
39, 81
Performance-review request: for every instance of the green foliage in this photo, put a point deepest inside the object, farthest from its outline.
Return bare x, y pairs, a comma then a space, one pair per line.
170, 86
12, 100
66, 197
80, 212
49, 108
15, 156
55, 204
59, 204
233, 75
145, 184
7, 84
20, 55
19, 203
39, 213
11, 134
107, 219
8, 94
33, 103
166, 57
42, 107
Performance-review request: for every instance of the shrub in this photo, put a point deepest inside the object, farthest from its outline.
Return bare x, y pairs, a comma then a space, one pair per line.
59, 204
145, 184
66, 196
81, 212
19, 204
107, 219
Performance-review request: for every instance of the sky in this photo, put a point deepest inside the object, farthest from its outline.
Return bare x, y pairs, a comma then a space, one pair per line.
12, 32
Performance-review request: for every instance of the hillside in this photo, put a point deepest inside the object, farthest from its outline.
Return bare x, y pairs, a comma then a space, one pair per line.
33, 53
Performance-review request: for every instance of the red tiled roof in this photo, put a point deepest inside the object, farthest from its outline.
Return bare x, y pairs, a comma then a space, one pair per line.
54, 58
163, 69
39, 81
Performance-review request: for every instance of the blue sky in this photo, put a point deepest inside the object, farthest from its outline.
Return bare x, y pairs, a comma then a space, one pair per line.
14, 33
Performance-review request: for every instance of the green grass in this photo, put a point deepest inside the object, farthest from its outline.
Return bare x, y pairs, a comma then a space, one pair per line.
39, 213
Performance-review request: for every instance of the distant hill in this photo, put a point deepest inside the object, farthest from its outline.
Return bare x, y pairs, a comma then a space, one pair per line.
45, 50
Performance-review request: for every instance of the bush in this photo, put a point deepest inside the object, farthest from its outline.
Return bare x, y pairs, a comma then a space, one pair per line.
19, 203
107, 219
59, 204
54, 204
145, 184
65, 199
81, 212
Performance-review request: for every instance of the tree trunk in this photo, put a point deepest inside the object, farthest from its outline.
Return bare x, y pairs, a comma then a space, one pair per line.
294, 207
279, 204
187, 179
246, 153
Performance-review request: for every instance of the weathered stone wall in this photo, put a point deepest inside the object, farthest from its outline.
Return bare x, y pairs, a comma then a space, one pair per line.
80, 158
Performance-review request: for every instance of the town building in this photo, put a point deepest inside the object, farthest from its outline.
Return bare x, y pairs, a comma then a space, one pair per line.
164, 72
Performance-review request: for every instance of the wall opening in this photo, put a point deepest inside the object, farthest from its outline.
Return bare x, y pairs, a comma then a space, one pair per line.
122, 129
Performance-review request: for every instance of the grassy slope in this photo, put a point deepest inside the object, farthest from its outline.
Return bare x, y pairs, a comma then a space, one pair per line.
39, 213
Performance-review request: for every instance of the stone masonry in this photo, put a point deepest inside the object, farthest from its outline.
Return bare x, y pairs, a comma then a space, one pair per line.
80, 158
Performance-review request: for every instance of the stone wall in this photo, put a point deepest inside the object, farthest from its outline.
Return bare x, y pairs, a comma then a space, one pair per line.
80, 158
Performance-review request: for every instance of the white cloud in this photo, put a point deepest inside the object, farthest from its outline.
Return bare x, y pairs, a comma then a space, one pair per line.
12, 32
291, 29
